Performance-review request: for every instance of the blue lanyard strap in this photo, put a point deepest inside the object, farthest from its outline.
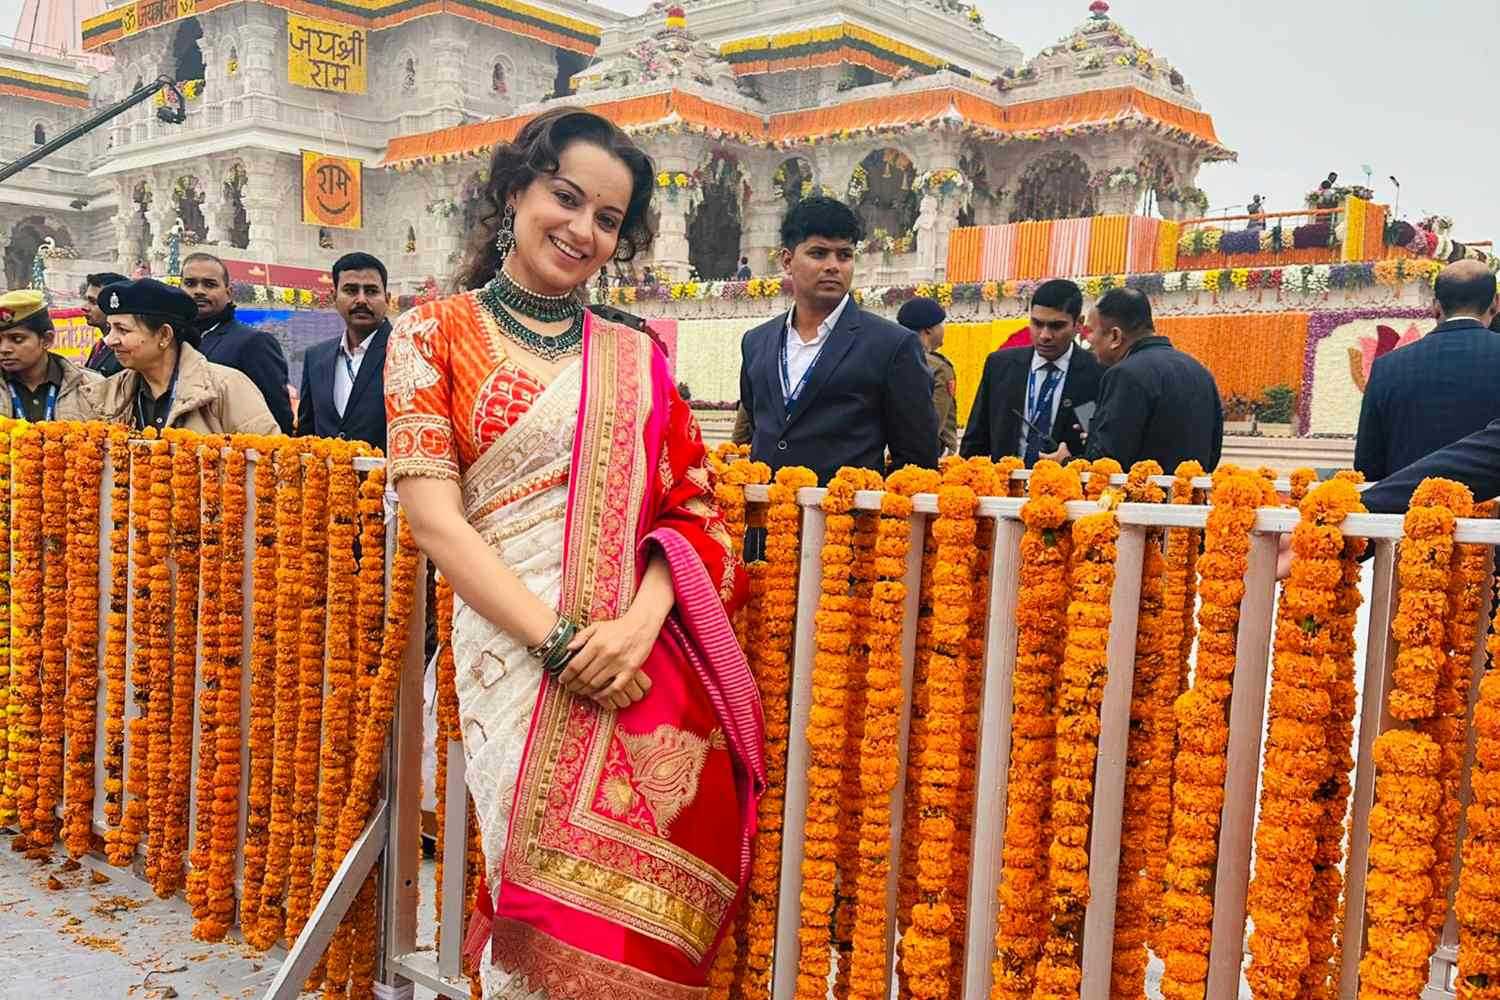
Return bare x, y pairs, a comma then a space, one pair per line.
18, 406
348, 367
1034, 391
788, 390
140, 407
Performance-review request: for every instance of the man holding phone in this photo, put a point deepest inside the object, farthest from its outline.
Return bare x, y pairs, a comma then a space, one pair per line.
1036, 402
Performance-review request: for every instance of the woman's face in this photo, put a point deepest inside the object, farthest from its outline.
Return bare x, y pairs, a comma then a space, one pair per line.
568, 223
134, 343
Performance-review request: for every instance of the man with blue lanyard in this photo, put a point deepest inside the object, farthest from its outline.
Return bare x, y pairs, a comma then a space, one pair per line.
40, 384
827, 384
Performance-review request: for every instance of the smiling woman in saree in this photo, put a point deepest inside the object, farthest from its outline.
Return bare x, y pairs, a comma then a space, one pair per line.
550, 470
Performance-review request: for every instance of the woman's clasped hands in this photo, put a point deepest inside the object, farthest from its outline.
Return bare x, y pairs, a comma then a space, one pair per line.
607, 661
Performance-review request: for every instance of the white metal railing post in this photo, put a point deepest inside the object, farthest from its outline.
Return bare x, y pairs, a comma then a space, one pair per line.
455, 857
1380, 655
787, 951
403, 784
1109, 766
1242, 766
992, 769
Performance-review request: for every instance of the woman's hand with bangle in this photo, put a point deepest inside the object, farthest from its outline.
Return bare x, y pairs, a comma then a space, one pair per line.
607, 661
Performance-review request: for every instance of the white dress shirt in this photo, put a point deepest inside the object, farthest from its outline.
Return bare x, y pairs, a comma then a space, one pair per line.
347, 370
800, 354
1034, 382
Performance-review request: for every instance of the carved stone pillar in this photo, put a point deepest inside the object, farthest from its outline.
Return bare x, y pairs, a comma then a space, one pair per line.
257, 50
215, 210
1117, 200
762, 234
446, 59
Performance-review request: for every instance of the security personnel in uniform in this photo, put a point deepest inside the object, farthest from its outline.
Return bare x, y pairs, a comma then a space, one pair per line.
40, 384
166, 382
926, 318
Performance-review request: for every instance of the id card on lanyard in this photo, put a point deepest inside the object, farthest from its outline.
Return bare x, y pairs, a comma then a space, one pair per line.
18, 408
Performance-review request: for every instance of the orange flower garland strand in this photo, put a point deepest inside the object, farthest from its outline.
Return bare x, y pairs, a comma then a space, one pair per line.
1407, 817
879, 756
24, 710
159, 653
1080, 691
7, 775
448, 729
56, 502
229, 638
210, 464
115, 630
825, 738
1297, 759
272, 917
772, 664
121, 842
1137, 893
261, 741
1203, 737
85, 455
310, 639
1469, 584
1041, 619
926, 953
1478, 900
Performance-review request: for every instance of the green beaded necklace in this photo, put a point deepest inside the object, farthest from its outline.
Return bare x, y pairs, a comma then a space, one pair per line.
503, 298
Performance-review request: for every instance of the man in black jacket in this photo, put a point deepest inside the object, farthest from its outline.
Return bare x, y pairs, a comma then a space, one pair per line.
1046, 382
343, 380
101, 357
1155, 402
828, 384
225, 341
1433, 392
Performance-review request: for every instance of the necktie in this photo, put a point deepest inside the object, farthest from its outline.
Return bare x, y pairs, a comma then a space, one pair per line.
1041, 413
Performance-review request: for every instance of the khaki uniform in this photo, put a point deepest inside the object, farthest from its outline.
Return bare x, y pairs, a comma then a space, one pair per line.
71, 401
945, 401
209, 399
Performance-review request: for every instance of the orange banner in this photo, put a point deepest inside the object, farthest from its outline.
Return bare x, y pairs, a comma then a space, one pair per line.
332, 191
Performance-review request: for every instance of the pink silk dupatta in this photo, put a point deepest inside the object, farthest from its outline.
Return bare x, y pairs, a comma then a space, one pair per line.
629, 842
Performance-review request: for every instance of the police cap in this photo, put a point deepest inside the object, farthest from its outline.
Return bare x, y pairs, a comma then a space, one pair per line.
921, 314
24, 307
149, 297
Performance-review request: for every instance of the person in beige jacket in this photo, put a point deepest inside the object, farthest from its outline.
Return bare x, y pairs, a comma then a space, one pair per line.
39, 384
166, 382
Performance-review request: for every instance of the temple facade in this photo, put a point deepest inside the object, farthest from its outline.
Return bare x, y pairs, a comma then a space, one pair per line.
315, 127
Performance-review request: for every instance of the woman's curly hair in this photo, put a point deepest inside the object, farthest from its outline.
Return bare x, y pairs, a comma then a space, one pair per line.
537, 151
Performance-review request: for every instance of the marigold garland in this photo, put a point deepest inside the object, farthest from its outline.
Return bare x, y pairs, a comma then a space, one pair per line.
115, 632
85, 455
24, 710
448, 729
916, 739
55, 506
1138, 894
310, 638
879, 757
272, 918
210, 464
1478, 901
224, 827
1297, 755
159, 654
1202, 733
1041, 618
1302, 480
772, 667
825, 737
1080, 691
7, 773
122, 842
926, 954
1469, 583
263, 675
1425, 569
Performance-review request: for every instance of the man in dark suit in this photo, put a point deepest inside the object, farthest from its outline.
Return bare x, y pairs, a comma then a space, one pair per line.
1155, 402
226, 341
1046, 383
343, 383
101, 357
828, 384
1429, 394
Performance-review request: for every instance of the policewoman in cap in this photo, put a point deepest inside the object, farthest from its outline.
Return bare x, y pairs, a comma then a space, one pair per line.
40, 384
166, 382
925, 317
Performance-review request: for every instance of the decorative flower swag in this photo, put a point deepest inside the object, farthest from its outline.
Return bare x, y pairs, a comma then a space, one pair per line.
1320, 325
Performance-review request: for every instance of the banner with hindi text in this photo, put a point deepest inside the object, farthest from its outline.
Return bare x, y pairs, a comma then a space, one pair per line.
332, 191
322, 55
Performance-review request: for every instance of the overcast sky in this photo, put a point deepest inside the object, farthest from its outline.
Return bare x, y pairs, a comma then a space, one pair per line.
1302, 87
